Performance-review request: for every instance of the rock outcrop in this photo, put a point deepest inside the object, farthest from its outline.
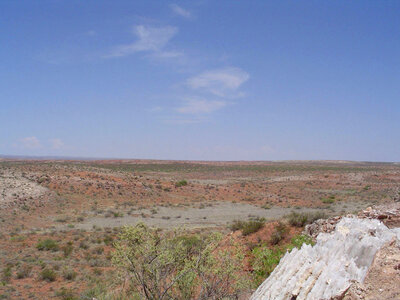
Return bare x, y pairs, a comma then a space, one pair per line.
339, 260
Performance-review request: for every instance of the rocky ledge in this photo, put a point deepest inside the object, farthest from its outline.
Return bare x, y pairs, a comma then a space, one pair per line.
355, 257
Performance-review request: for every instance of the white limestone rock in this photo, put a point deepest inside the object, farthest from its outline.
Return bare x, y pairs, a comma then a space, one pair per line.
326, 270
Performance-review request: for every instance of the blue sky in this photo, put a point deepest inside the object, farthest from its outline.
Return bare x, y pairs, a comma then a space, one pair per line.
206, 80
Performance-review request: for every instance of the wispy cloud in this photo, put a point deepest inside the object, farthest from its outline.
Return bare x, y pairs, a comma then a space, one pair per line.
181, 11
211, 91
221, 82
90, 33
167, 54
30, 142
149, 39
200, 106
56, 144
181, 120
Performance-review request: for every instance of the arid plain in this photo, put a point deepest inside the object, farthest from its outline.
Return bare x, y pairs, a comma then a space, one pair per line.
80, 206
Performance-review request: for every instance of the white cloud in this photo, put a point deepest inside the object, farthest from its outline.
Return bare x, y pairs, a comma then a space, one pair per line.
149, 39
30, 142
200, 106
180, 11
156, 109
56, 144
220, 82
168, 54
91, 33
183, 121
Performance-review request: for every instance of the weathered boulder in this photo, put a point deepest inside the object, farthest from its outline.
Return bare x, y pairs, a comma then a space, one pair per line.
327, 269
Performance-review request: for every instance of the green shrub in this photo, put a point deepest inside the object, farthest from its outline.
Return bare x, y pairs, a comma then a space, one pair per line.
253, 226
264, 262
236, 225
298, 241
181, 183
47, 245
83, 245
329, 200
117, 214
266, 206
178, 266
301, 219
367, 187
264, 259
248, 227
279, 233
69, 274
98, 250
6, 274
24, 271
108, 240
298, 219
48, 275
67, 249
312, 217
66, 294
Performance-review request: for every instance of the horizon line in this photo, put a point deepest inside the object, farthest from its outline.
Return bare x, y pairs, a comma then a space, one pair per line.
94, 158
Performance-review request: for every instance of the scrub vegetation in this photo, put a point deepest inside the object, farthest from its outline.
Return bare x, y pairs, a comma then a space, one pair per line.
80, 230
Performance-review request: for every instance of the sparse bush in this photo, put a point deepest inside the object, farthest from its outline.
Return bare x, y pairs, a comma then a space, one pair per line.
69, 274
236, 225
312, 217
24, 271
67, 249
98, 250
108, 240
6, 274
181, 183
301, 219
117, 214
248, 227
298, 219
367, 187
66, 294
48, 275
329, 200
279, 233
83, 245
253, 226
47, 245
97, 271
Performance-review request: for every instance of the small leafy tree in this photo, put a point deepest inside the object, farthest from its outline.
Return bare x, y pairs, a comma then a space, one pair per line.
178, 266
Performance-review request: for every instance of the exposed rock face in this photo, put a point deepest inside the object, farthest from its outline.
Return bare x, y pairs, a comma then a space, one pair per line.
321, 225
388, 214
383, 278
16, 189
328, 269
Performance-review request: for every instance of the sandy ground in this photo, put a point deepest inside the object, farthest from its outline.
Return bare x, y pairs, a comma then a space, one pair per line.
219, 214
